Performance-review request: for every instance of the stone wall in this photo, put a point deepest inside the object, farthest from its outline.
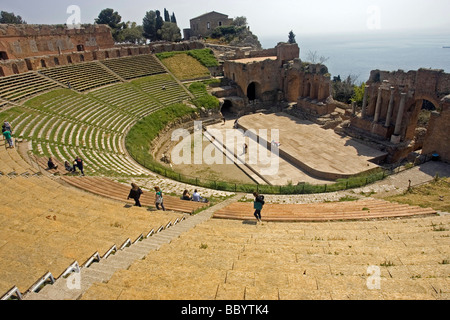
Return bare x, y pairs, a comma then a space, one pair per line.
24, 41
391, 108
204, 25
437, 139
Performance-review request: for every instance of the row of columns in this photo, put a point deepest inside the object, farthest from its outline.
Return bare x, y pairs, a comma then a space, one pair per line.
398, 123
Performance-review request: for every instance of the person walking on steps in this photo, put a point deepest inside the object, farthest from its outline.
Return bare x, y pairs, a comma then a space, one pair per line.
258, 205
135, 193
78, 162
8, 137
159, 199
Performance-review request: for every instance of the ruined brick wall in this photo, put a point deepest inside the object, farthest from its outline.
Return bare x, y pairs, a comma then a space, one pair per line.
25, 41
437, 138
281, 77
394, 102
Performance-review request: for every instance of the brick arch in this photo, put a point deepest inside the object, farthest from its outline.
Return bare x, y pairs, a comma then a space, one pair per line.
433, 99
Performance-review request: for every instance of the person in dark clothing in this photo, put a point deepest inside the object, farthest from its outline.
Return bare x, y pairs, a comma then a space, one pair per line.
186, 196
51, 164
79, 164
6, 127
258, 205
135, 193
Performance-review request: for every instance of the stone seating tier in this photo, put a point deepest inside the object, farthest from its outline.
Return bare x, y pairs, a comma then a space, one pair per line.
355, 210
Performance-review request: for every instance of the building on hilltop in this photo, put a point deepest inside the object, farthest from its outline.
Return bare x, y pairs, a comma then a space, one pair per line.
204, 25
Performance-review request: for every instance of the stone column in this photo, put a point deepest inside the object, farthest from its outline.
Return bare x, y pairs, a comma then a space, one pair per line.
378, 107
364, 105
398, 125
391, 107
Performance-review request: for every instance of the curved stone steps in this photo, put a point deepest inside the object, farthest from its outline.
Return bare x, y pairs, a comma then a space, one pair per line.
358, 210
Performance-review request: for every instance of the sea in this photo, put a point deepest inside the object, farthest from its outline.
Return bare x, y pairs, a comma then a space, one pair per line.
357, 55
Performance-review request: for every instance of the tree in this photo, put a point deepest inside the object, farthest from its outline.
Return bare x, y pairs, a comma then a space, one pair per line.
173, 19
149, 26
240, 21
132, 34
292, 37
113, 20
11, 18
358, 94
166, 15
159, 24
347, 91
170, 32
314, 58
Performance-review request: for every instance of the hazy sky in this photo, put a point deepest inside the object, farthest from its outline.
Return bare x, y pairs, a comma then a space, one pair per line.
268, 18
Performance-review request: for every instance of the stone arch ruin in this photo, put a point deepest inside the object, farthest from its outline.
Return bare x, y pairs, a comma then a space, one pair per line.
254, 91
391, 107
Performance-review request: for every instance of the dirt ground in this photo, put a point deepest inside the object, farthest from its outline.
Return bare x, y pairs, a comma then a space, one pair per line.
218, 172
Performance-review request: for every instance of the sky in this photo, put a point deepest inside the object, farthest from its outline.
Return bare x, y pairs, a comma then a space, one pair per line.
266, 18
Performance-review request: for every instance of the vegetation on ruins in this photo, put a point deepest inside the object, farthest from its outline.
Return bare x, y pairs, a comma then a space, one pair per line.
113, 19
132, 33
204, 56
432, 195
346, 91
237, 34
185, 67
156, 28
11, 18
291, 39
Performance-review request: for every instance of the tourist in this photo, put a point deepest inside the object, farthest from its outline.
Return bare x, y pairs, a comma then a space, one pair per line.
159, 201
135, 193
51, 165
8, 137
258, 205
245, 148
196, 197
186, 196
68, 166
78, 163
6, 127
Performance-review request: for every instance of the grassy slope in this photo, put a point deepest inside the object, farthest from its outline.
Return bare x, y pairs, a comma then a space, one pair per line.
434, 195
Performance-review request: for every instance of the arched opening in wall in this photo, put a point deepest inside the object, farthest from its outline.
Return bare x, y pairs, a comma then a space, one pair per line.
43, 63
15, 68
420, 120
69, 59
118, 53
253, 91
81, 58
2, 73
106, 55
29, 64
94, 55
227, 108
56, 60
3, 55
80, 47
130, 53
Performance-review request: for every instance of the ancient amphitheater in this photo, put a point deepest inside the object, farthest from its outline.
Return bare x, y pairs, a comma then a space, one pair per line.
66, 237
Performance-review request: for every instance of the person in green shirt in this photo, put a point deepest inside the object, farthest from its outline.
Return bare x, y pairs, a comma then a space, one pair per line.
258, 205
159, 199
8, 138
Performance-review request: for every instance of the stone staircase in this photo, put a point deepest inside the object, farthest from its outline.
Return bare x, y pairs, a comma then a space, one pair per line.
79, 280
